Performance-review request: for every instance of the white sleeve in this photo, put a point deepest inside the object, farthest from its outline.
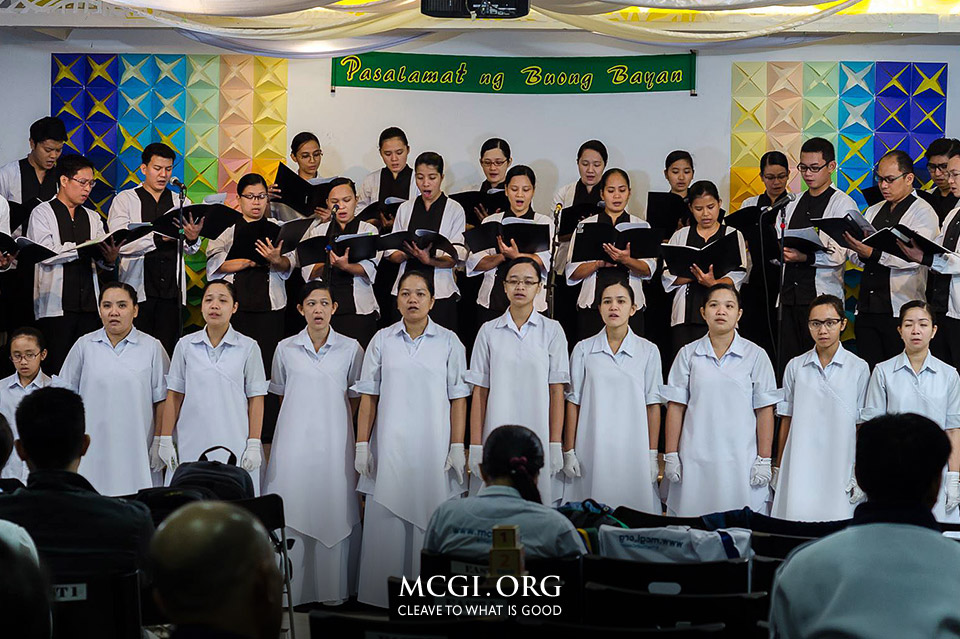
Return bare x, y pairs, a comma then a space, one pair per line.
4, 216
457, 385
739, 275
653, 377
254, 377
479, 373
120, 217
177, 374
765, 391
875, 403
457, 224
158, 372
953, 402
401, 221
559, 369
547, 256
677, 388
366, 197
72, 370
785, 406
571, 265
278, 373
356, 367
578, 373
217, 251
862, 382
369, 381
43, 230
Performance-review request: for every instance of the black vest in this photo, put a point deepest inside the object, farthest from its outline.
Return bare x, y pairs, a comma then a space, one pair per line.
875, 281
619, 274
582, 196
79, 295
800, 280
395, 187
341, 282
498, 296
942, 204
160, 264
31, 188
252, 285
938, 284
430, 220
696, 293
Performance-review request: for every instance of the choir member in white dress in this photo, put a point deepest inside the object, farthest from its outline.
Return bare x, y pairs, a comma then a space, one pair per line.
120, 372
823, 395
613, 412
518, 371
27, 352
719, 435
313, 373
413, 386
215, 390
917, 382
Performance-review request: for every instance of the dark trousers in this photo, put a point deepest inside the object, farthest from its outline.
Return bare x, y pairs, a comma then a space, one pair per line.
484, 315
61, 333
444, 313
589, 323
877, 337
267, 328
565, 308
946, 343
683, 334
360, 327
468, 318
386, 275
161, 319
795, 336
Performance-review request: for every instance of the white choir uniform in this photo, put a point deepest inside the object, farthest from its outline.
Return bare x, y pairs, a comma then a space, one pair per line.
825, 406
489, 277
588, 290
678, 312
718, 443
452, 225
564, 198
314, 439
370, 189
216, 384
48, 275
119, 385
613, 391
124, 211
518, 366
10, 182
908, 280
415, 380
4, 216
363, 296
934, 392
949, 264
11, 393
219, 249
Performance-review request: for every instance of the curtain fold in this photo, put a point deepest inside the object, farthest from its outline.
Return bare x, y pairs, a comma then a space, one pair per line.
304, 49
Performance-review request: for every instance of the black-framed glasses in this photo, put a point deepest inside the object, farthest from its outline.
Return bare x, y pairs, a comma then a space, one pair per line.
811, 168
936, 168
888, 179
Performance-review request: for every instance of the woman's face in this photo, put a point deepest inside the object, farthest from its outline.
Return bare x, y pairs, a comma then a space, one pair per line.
394, 154
495, 165
217, 305
615, 194
317, 309
253, 201
117, 311
308, 158
521, 284
775, 181
721, 312
706, 210
428, 179
520, 193
616, 309
825, 325
414, 300
591, 167
345, 200
679, 175
916, 330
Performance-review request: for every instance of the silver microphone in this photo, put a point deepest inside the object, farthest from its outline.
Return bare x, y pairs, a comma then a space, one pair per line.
782, 202
175, 181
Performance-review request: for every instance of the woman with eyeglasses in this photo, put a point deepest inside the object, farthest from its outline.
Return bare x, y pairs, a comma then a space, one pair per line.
495, 161
823, 396
306, 153
518, 370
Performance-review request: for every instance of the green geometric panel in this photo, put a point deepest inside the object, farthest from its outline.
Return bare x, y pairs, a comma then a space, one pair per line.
203, 72
202, 140
821, 79
203, 105
820, 114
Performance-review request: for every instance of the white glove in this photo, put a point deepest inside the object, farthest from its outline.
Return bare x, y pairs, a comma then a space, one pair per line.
156, 464
775, 478
672, 469
853, 489
571, 465
556, 457
457, 460
654, 466
952, 488
476, 457
252, 456
761, 473
362, 462
167, 453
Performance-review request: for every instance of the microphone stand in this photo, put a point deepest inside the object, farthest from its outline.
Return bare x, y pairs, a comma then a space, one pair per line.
181, 272
552, 275
783, 271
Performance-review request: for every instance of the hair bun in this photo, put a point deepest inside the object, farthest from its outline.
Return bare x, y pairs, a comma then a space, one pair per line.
518, 464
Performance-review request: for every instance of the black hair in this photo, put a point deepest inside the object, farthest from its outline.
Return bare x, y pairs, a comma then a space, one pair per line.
953, 150
925, 306
774, 158
25, 592
899, 457
157, 149
701, 188
722, 286
6, 441
676, 156
51, 425
941, 146
250, 179
624, 282
523, 259
300, 139
48, 128
593, 145
421, 275
430, 158
230, 287
340, 181
828, 300
521, 170
390, 133
495, 143
514, 452
31, 332
310, 287
610, 173
904, 161
132, 292
69, 165
822, 146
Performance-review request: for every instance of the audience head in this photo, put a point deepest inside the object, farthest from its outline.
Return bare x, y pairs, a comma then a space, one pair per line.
394, 148
316, 304
615, 190
591, 161
47, 137
415, 296
704, 202
428, 172
28, 349
678, 169
252, 190
937, 156
51, 428
343, 196
721, 309
25, 595
826, 321
76, 178
213, 565
520, 185
218, 304
513, 456
157, 166
305, 151
918, 325
894, 175
818, 161
774, 171
900, 459
118, 308
495, 160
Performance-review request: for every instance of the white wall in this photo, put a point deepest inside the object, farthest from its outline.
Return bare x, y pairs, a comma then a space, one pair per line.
544, 131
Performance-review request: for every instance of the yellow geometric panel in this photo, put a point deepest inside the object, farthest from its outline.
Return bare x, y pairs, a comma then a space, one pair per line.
744, 182
749, 114
269, 141
270, 107
65, 71
929, 84
749, 80
266, 168
270, 74
100, 70
747, 148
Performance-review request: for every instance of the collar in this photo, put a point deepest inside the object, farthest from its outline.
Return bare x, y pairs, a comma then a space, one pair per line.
506, 321
40, 381
303, 339
231, 337
902, 361
499, 491
400, 329
59, 480
133, 336
705, 348
602, 345
872, 512
839, 358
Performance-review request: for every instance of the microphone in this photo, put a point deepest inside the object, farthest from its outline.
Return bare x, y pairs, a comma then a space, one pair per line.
175, 181
779, 204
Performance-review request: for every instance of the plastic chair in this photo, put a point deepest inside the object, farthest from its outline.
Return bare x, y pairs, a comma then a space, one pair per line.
776, 546
705, 578
102, 606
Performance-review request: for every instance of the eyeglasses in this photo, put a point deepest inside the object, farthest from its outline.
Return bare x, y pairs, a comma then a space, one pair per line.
936, 168
84, 182
24, 357
953, 175
829, 323
513, 282
888, 179
805, 168
254, 196
488, 163
307, 156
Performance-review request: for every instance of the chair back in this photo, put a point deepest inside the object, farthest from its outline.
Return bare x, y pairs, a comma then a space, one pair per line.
776, 546
102, 606
763, 571
705, 578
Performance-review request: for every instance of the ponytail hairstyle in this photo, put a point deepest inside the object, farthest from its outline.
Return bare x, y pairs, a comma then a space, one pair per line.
516, 454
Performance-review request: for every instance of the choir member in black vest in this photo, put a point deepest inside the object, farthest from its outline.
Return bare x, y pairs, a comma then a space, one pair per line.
888, 282
432, 210
759, 292
149, 264
941, 197
66, 286
351, 285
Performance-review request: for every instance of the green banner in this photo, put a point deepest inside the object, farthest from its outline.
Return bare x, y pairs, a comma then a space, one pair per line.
488, 74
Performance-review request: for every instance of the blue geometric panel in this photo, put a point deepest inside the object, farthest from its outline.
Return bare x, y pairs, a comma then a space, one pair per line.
929, 79
171, 73
894, 79
928, 115
102, 70
855, 150
856, 114
892, 114
169, 104
138, 72
884, 141
857, 79
101, 104
853, 180
68, 70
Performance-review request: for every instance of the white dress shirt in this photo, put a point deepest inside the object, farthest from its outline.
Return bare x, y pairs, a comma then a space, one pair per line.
11, 394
